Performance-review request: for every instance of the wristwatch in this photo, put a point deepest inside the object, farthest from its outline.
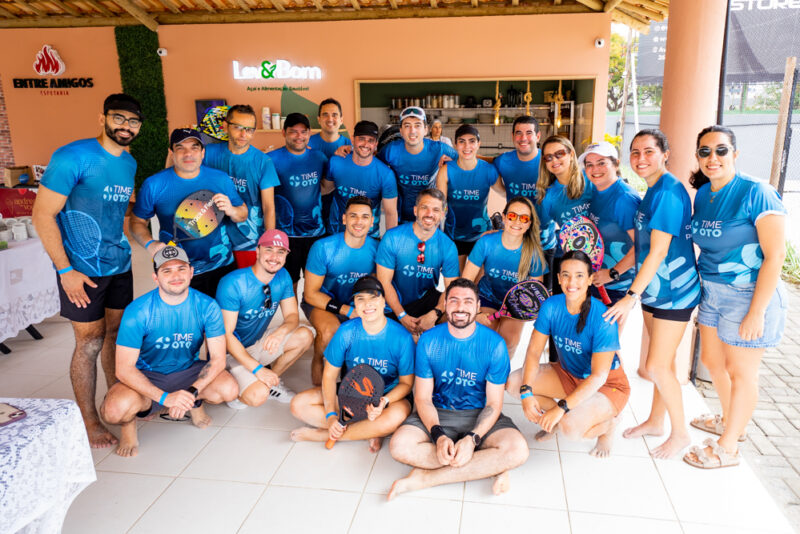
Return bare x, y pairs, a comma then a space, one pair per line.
614, 274
476, 439
439, 313
525, 387
193, 391
563, 405
634, 296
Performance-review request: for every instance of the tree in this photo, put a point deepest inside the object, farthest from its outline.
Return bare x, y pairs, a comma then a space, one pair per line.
616, 72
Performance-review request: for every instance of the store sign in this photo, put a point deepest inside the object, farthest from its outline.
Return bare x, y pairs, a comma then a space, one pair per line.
49, 63
280, 69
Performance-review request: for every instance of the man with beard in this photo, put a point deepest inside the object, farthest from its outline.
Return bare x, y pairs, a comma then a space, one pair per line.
79, 213
249, 298
158, 351
459, 432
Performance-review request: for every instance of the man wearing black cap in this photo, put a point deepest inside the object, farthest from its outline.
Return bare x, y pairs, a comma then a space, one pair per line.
298, 200
79, 213
361, 174
160, 195
376, 341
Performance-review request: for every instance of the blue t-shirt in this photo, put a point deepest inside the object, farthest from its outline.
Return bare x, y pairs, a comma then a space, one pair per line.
519, 179
240, 291
375, 181
613, 211
341, 265
251, 172
399, 250
414, 172
298, 202
98, 187
575, 350
169, 337
161, 194
500, 266
467, 195
318, 143
390, 351
667, 207
557, 208
460, 368
724, 227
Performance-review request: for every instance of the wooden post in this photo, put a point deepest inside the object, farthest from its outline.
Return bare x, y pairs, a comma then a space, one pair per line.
779, 154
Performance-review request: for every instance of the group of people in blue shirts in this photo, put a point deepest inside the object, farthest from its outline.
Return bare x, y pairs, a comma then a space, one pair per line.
312, 210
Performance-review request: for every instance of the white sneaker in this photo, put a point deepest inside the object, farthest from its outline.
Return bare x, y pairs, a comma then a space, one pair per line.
281, 393
236, 404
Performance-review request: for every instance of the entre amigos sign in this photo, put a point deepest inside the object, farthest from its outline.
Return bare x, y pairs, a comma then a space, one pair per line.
49, 63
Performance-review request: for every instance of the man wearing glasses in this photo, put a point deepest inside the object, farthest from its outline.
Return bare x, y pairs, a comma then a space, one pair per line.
411, 259
249, 298
415, 159
79, 213
254, 176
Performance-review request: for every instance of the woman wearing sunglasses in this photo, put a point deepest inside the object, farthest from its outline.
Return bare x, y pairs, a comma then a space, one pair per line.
666, 283
507, 257
738, 224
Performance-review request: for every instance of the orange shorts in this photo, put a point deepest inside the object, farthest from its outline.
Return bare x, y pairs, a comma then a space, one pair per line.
616, 387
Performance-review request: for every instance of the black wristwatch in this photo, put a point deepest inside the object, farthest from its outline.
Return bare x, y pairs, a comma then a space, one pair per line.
525, 387
476, 439
563, 405
614, 274
439, 313
193, 391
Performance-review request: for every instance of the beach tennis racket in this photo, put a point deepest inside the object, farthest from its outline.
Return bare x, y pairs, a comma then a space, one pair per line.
580, 233
211, 124
361, 386
195, 217
82, 237
522, 301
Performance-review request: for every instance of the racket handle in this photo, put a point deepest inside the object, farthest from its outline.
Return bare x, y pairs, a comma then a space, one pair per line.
494, 316
330, 443
604, 295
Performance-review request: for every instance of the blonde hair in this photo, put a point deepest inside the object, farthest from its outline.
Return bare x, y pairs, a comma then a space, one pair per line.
575, 184
530, 241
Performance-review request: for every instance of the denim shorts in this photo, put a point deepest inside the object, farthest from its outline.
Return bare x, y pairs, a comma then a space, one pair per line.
723, 306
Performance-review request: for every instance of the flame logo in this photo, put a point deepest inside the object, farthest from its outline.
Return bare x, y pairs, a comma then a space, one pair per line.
48, 62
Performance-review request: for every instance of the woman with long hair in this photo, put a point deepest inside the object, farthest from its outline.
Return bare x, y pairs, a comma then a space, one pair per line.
738, 224
666, 283
507, 257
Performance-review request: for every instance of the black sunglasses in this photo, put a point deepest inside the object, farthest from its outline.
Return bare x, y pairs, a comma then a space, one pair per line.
267, 298
719, 150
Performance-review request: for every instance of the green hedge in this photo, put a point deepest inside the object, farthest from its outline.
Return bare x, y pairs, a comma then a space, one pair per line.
142, 78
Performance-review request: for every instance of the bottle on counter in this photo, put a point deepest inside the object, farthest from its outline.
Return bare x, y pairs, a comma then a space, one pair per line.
266, 119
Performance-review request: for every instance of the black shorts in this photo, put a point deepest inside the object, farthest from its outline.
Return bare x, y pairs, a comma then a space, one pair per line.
550, 277
113, 292
421, 306
308, 308
173, 382
208, 281
457, 423
464, 247
680, 316
296, 260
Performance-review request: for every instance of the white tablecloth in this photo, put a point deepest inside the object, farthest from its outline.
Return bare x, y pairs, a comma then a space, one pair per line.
45, 462
28, 290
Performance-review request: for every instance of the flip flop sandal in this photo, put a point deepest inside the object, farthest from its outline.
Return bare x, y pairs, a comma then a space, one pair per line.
704, 461
166, 417
712, 423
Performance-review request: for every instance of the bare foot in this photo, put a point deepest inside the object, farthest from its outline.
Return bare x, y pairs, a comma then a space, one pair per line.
375, 444
306, 433
542, 436
602, 449
642, 373
129, 444
645, 429
501, 484
99, 436
410, 483
200, 418
671, 447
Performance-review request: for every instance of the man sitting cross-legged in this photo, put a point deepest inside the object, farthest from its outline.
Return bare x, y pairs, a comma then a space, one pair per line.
158, 349
459, 432
372, 339
249, 298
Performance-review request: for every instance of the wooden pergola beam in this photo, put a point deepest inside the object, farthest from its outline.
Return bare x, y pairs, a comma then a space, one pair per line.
434, 4
278, 4
594, 5
246, 8
393, 3
64, 7
138, 13
632, 15
355, 5
205, 5
652, 15
100, 8
6, 13
30, 6
622, 18
611, 4
651, 5
319, 5
515, 3
172, 6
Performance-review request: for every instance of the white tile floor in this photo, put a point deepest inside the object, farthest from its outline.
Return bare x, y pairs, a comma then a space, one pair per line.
243, 474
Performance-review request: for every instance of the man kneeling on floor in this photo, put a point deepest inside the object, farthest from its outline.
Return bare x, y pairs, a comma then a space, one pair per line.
158, 348
249, 298
372, 339
459, 432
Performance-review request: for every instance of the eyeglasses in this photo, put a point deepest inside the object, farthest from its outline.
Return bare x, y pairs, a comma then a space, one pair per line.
560, 154
239, 128
719, 150
523, 218
267, 304
421, 249
119, 120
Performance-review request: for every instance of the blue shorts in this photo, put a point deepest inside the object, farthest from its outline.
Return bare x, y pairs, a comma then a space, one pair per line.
723, 306
173, 382
487, 302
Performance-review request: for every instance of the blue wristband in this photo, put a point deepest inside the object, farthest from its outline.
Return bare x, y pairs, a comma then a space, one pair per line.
65, 270
259, 366
526, 395
329, 414
402, 314
350, 312
148, 243
163, 398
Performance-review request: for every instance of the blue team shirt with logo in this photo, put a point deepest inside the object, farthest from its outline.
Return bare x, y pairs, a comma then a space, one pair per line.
414, 172
519, 179
250, 172
375, 181
399, 249
98, 187
242, 292
575, 350
667, 207
298, 200
613, 212
318, 143
725, 229
169, 336
390, 351
500, 266
467, 196
340, 265
460, 368
558, 208
161, 194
